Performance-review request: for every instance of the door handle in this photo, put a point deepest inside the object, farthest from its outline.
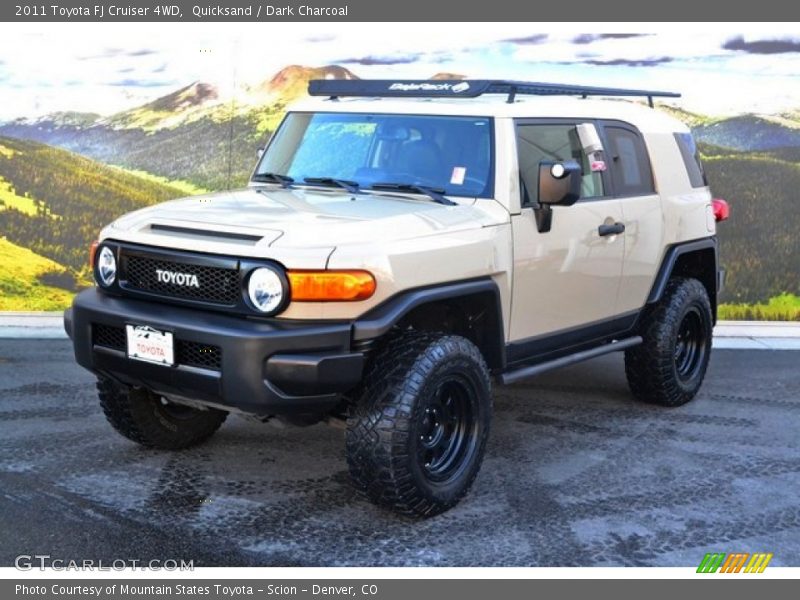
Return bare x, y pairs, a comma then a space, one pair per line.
614, 229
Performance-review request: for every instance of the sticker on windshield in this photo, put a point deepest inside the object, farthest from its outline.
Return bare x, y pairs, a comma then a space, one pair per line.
457, 178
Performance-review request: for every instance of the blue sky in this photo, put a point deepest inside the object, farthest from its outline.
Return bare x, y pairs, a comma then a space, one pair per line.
720, 68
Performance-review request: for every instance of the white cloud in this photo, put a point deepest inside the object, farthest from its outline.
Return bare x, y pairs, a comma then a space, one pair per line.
111, 66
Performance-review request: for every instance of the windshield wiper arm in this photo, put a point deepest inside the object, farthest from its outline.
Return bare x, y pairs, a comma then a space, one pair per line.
435, 194
350, 186
284, 180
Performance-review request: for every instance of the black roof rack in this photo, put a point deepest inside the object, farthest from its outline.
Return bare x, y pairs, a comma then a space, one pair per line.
464, 88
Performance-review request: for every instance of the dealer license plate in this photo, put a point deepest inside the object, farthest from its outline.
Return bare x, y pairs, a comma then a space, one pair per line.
150, 345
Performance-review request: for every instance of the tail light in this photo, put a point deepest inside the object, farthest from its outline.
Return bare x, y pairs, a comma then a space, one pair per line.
721, 209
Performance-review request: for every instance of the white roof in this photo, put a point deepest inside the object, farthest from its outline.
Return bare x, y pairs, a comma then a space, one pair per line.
646, 119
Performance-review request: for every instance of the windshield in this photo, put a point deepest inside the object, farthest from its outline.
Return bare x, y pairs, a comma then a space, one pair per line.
451, 154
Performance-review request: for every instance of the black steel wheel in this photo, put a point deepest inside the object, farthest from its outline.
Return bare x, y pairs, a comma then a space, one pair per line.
448, 429
416, 432
691, 345
668, 368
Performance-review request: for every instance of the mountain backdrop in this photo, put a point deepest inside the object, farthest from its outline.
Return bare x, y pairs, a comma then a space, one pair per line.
190, 134
65, 175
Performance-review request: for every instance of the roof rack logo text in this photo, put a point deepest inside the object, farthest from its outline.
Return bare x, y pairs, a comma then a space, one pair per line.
430, 87
715, 562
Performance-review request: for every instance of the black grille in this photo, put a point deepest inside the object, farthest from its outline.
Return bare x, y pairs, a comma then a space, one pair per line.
215, 284
191, 354
194, 354
109, 337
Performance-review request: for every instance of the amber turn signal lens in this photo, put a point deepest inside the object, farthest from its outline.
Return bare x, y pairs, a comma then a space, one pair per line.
327, 286
92, 252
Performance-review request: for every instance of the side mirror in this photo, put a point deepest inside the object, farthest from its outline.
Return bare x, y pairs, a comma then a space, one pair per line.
559, 183
259, 153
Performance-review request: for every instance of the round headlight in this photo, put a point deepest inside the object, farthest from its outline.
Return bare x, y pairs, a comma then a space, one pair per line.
266, 289
106, 266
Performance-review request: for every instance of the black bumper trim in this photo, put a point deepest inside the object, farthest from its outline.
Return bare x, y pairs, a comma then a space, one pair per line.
303, 373
267, 367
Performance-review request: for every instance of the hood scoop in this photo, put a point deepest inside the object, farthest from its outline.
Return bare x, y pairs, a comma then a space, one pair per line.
206, 234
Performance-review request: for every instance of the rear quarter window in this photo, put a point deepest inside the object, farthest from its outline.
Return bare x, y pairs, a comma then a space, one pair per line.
691, 159
631, 171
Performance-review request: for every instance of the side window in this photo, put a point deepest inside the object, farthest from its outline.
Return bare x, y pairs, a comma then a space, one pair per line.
536, 143
691, 158
630, 165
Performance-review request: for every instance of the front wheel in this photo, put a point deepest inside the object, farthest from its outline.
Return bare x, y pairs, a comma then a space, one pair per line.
151, 421
669, 366
417, 432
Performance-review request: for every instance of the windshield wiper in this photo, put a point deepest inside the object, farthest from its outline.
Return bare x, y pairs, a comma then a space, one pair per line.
284, 180
436, 194
350, 186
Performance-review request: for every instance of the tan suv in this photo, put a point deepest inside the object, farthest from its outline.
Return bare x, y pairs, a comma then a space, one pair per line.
400, 245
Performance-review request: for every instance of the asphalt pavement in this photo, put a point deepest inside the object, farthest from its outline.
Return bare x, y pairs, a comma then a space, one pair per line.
576, 474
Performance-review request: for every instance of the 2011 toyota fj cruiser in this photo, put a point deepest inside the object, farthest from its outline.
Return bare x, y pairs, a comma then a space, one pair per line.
401, 244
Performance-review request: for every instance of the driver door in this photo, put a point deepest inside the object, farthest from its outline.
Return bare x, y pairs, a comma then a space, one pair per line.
566, 280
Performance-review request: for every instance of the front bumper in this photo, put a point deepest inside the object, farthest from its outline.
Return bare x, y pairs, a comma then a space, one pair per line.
258, 367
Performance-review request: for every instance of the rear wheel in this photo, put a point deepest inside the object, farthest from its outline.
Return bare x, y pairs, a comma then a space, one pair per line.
152, 421
668, 368
417, 433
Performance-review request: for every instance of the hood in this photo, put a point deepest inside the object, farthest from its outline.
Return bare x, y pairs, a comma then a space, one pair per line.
303, 217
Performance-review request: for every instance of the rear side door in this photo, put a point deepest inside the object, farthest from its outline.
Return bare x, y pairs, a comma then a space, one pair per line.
566, 279
633, 183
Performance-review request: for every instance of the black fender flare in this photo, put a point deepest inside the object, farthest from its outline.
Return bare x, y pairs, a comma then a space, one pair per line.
380, 319
671, 258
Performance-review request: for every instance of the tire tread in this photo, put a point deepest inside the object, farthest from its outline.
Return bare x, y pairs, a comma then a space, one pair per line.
131, 412
649, 367
379, 421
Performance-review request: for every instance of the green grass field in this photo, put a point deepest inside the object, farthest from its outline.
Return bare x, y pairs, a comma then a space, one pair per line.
186, 187
54, 202
9, 199
785, 307
24, 278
